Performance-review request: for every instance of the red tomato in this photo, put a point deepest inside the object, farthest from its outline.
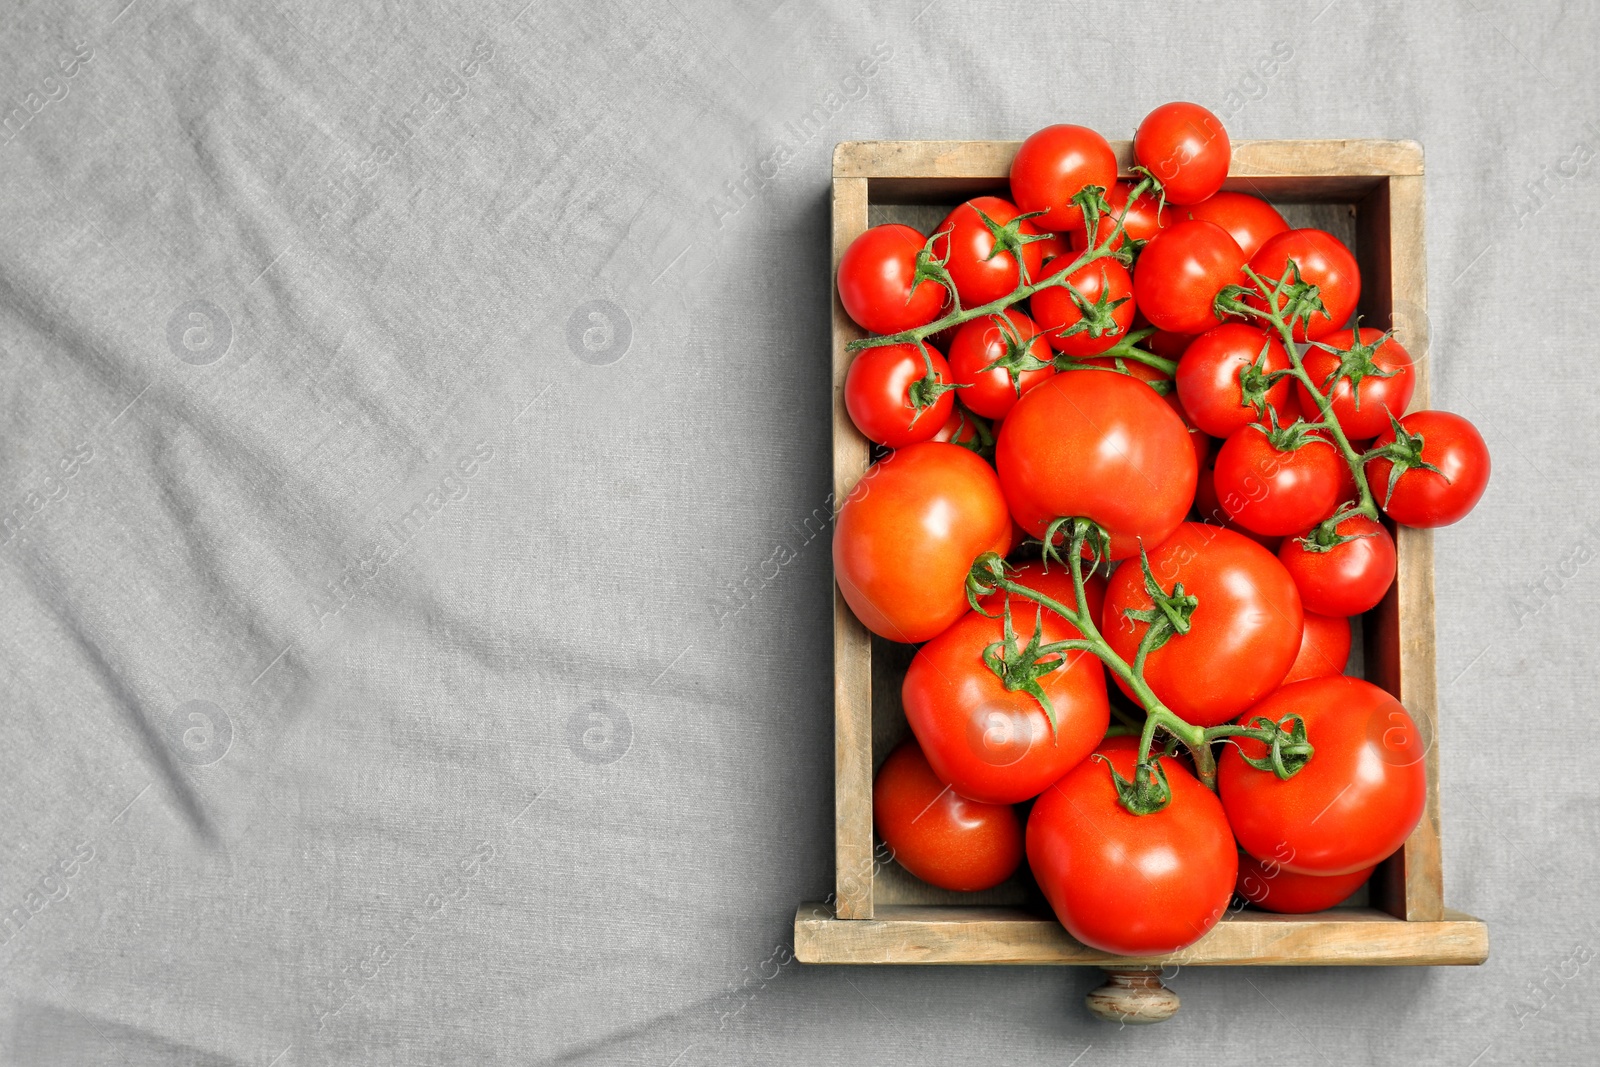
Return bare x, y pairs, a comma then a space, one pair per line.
1186, 148
1104, 280
1053, 166
1273, 492
1053, 245
1362, 411
1055, 583
993, 744
1353, 803
1141, 221
1324, 649
1243, 635
936, 833
1208, 377
1421, 497
1250, 220
907, 534
1099, 445
1212, 512
981, 271
877, 397
1325, 262
1269, 887
1181, 271
876, 275
1348, 578
1136, 885
982, 341
960, 429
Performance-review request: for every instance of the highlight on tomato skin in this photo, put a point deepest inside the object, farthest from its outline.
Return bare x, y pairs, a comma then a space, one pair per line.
937, 834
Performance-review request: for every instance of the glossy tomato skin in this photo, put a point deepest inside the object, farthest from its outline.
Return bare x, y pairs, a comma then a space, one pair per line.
1136, 885
1248, 219
1325, 262
936, 833
875, 281
968, 244
1242, 638
1423, 498
1277, 493
1353, 803
981, 341
1079, 443
1055, 583
907, 534
1181, 271
1140, 221
1054, 165
1056, 313
1208, 377
1348, 578
1186, 148
1364, 412
1211, 511
876, 393
1271, 888
991, 744
1324, 649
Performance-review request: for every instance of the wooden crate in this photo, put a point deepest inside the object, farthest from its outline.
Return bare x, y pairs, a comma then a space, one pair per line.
878, 913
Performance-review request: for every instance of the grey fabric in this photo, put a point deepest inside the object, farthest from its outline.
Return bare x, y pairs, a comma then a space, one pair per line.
417, 650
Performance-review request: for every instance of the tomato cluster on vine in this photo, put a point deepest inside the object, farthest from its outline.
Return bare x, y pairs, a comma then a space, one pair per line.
1139, 463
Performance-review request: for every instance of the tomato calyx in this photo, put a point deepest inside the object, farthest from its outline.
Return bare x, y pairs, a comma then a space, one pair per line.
1010, 238
931, 268
1096, 319
1019, 358
1356, 363
1404, 453
1255, 382
1021, 669
1148, 792
1325, 536
926, 390
1168, 616
1290, 300
1290, 438
1288, 748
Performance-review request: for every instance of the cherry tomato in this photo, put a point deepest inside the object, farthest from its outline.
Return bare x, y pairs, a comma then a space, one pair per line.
1099, 445
993, 744
907, 534
1324, 649
1269, 887
1181, 271
1325, 262
1243, 635
1136, 885
1055, 583
1248, 219
982, 272
936, 833
982, 341
1208, 377
1348, 578
876, 393
1186, 148
1273, 492
1353, 803
1053, 166
876, 275
1362, 411
1103, 281
1139, 222
1424, 498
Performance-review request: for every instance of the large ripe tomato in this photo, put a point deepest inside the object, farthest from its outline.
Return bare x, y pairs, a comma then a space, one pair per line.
876, 276
1248, 219
936, 833
1136, 885
1104, 280
1181, 271
1363, 411
1353, 803
967, 246
1186, 148
1208, 377
1055, 583
876, 393
1053, 166
1243, 635
1140, 222
1269, 887
1277, 492
1348, 578
1424, 498
907, 534
990, 743
1100, 445
1325, 262
982, 341
1324, 649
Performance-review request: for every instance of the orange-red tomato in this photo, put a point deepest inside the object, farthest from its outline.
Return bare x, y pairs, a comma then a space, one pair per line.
936, 833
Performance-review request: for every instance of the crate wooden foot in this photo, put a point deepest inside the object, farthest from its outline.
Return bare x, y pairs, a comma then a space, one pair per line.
1133, 998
